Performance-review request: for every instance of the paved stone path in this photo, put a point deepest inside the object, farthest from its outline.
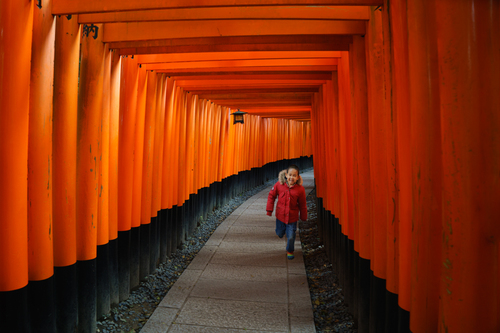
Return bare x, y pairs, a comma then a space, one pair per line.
240, 281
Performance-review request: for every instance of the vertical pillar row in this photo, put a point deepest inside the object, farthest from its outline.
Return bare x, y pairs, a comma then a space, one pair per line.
87, 180
16, 24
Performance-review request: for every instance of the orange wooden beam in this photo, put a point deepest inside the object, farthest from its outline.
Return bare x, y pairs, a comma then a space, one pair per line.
60, 7
229, 47
257, 103
278, 109
205, 56
252, 70
258, 96
135, 31
279, 76
236, 43
195, 84
253, 87
166, 67
210, 90
240, 13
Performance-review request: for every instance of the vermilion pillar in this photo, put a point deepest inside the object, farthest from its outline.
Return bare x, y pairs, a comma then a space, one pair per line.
137, 181
40, 172
139, 149
161, 109
401, 106
426, 166
166, 199
114, 114
40, 254
104, 273
114, 132
87, 185
359, 111
156, 200
67, 51
16, 24
67, 59
167, 167
147, 173
103, 228
128, 106
377, 135
468, 47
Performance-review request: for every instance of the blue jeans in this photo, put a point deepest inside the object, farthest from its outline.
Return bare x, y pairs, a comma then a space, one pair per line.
289, 229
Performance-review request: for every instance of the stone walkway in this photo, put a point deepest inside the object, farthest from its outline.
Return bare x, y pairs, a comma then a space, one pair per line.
240, 281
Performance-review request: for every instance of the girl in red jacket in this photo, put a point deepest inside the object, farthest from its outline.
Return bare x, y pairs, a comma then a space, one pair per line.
291, 201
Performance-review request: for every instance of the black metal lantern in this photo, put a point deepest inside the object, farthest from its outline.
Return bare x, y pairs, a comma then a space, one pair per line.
238, 116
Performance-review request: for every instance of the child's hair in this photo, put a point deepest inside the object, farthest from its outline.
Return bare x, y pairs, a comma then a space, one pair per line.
293, 166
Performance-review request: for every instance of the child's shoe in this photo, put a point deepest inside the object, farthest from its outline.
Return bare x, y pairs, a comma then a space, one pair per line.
290, 255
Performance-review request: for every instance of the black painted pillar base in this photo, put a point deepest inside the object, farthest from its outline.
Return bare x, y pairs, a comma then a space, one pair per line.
135, 241
103, 285
14, 316
403, 321
124, 264
66, 298
163, 235
114, 275
154, 246
391, 312
350, 273
180, 226
355, 286
41, 305
377, 304
87, 296
364, 296
173, 229
144, 252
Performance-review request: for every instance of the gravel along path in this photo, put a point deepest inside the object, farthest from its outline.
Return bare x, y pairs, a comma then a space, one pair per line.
330, 314
327, 298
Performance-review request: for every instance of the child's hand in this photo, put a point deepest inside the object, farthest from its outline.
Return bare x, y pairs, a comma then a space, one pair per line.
270, 213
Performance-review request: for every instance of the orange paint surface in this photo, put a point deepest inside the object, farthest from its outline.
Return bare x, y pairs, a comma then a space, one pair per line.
16, 23
126, 144
254, 12
88, 142
40, 166
139, 149
148, 150
134, 31
103, 207
67, 52
114, 130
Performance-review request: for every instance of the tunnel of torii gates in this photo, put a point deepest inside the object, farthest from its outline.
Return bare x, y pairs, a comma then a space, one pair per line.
116, 140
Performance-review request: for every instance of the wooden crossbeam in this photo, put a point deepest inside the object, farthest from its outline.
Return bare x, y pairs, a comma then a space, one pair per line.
258, 96
165, 67
251, 70
232, 47
64, 7
224, 13
236, 43
135, 31
205, 56
249, 83
250, 90
255, 77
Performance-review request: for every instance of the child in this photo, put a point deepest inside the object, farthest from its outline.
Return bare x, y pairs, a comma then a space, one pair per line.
291, 200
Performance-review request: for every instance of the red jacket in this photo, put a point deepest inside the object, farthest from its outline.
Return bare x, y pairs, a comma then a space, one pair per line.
291, 200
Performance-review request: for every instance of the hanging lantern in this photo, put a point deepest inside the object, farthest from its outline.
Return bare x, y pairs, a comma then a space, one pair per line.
238, 116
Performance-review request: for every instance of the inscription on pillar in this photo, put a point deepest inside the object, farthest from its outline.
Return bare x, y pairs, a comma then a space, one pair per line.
87, 29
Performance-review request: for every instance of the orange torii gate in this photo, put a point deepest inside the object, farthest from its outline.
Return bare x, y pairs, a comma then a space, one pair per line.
398, 101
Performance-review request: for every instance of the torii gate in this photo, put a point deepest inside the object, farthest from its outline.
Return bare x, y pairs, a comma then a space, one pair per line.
397, 101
